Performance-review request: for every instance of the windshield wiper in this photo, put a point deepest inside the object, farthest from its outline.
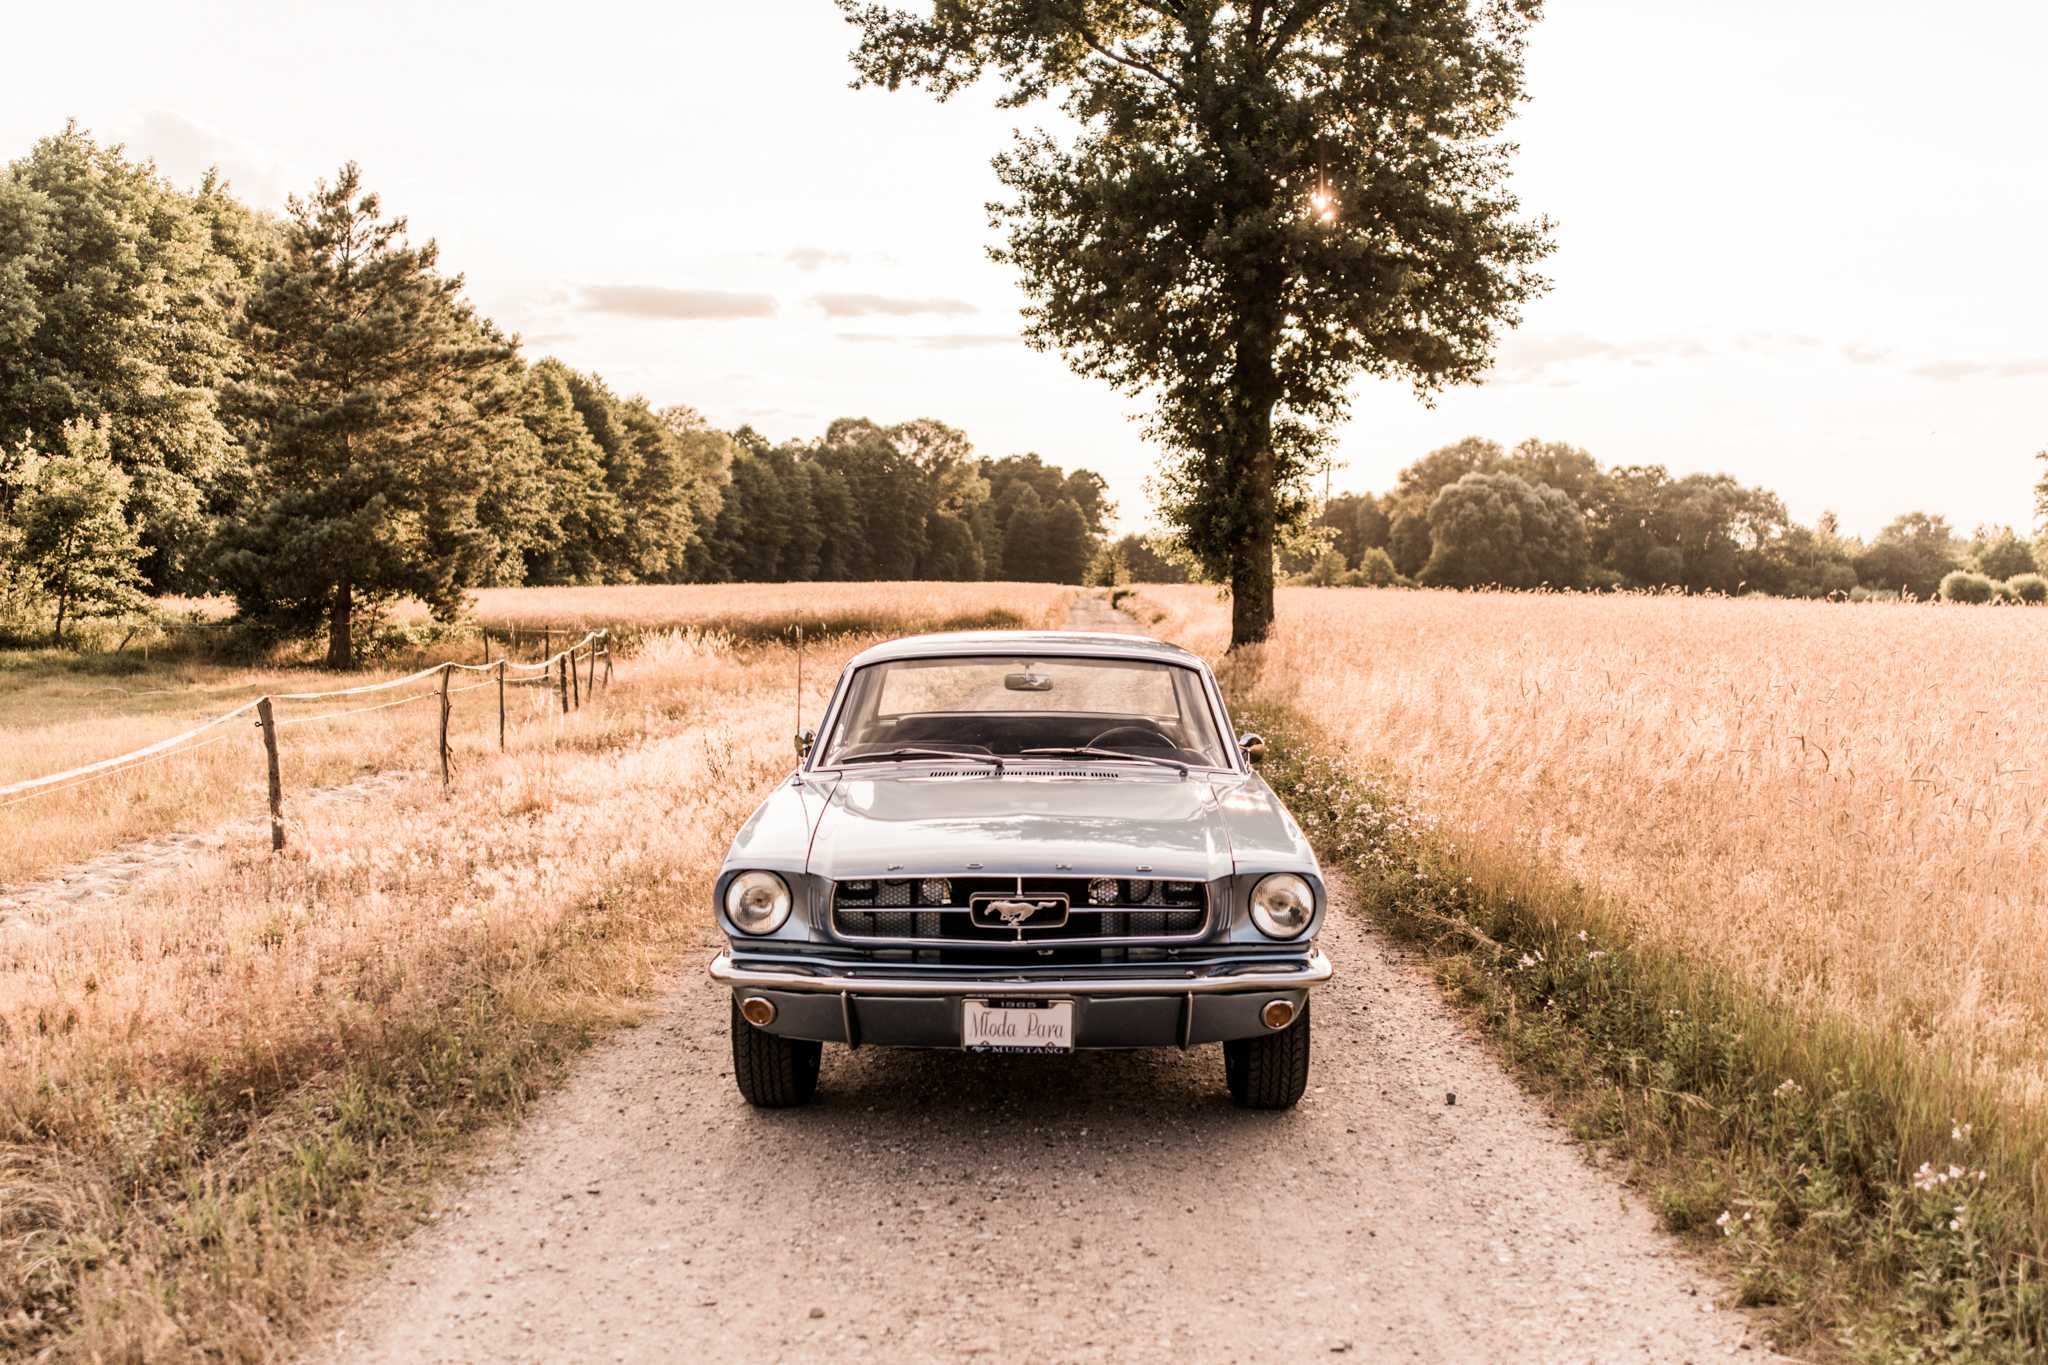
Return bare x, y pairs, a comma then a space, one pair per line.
882, 755
1090, 751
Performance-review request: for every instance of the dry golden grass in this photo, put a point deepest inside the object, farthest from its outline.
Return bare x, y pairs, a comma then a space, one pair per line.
749, 608
55, 718
1844, 807
59, 711
218, 1089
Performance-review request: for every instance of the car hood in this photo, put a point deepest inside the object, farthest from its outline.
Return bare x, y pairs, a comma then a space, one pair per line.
912, 824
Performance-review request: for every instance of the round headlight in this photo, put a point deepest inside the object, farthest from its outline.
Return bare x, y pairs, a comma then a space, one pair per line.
757, 902
1282, 905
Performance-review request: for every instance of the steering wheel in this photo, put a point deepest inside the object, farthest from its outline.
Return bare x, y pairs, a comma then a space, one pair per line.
1159, 741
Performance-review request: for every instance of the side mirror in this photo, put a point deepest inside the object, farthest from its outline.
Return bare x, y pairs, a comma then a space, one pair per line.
1252, 747
804, 740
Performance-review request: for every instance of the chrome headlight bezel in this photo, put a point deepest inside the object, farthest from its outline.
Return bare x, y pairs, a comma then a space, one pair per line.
1283, 905
748, 912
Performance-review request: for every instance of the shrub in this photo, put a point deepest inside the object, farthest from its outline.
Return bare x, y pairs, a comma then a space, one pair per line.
1960, 585
2031, 588
1376, 568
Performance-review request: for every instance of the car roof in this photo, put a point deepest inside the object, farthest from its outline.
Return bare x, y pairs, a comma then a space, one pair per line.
1038, 643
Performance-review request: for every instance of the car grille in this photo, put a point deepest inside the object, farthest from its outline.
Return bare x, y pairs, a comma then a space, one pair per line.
1018, 912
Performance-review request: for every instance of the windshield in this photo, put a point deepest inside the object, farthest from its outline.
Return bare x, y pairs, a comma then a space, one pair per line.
1008, 706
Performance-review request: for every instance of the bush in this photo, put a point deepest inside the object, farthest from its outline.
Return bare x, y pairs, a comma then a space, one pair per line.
1602, 579
2030, 588
1961, 585
1376, 568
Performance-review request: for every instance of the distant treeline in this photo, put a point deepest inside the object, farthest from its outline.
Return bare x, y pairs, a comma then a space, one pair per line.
307, 414
1546, 514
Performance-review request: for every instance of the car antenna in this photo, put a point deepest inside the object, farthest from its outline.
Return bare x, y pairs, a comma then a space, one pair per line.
799, 682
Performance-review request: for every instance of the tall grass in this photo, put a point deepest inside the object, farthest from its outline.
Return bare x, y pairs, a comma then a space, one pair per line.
769, 610
219, 1090
59, 711
1848, 806
1754, 889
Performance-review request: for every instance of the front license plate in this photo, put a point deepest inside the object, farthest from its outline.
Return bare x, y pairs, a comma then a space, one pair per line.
1018, 1025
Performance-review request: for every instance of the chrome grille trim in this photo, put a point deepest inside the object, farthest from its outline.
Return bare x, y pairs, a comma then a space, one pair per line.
892, 920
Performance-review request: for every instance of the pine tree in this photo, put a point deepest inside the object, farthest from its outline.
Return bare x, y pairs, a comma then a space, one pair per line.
370, 398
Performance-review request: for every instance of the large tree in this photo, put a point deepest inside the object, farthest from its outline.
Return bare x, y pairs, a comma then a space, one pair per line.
374, 399
1910, 555
1258, 203
1495, 530
117, 293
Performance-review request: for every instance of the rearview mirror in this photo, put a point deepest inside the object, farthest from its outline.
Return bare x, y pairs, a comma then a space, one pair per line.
1252, 747
1027, 682
804, 740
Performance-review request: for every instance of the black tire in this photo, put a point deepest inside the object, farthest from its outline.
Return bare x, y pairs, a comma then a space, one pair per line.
773, 1072
1270, 1071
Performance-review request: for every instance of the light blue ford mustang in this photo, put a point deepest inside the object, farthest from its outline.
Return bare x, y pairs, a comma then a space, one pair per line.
1026, 842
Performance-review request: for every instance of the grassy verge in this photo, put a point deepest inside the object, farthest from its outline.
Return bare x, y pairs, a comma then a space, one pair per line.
223, 1090
1862, 1188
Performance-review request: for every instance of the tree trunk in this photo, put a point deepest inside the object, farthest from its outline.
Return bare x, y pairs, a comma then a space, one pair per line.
340, 645
1251, 468
1251, 558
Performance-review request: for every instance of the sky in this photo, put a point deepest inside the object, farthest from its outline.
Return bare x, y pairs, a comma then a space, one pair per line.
1799, 241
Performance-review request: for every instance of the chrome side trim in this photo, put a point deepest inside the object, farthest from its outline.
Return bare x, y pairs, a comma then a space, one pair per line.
1244, 977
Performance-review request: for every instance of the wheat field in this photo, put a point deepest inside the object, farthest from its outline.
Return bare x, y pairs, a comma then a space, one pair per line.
1844, 806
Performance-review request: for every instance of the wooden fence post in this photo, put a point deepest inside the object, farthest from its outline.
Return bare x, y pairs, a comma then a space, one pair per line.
446, 669
487, 643
590, 683
563, 683
268, 721
547, 643
501, 706
575, 677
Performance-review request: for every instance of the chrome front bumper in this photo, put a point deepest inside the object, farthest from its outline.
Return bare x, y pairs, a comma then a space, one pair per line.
1161, 1004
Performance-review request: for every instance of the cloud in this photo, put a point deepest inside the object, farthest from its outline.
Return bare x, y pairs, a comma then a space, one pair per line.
1858, 354
944, 341
811, 257
1981, 369
1525, 359
881, 305
968, 341
184, 151
690, 305
546, 339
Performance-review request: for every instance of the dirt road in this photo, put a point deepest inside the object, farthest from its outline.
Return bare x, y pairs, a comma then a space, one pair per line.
1111, 1207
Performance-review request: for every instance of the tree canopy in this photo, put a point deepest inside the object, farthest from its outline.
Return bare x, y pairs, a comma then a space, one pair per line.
1474, 513
1256, 205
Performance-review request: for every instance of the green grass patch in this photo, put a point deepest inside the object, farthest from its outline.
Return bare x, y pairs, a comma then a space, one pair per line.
1879, 1203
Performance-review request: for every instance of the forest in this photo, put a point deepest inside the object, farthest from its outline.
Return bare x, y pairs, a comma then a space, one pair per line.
1548, 515
305, 414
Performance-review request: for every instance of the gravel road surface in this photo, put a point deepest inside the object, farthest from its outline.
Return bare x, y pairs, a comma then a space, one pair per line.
1112, 1207
1102, 1207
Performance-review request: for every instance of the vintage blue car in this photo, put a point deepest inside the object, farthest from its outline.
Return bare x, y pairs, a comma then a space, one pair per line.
1022, 842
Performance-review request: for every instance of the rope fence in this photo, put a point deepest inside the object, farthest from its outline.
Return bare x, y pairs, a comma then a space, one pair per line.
562, 671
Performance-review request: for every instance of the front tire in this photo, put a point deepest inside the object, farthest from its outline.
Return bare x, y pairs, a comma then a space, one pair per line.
773, 1072
1270, 1071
